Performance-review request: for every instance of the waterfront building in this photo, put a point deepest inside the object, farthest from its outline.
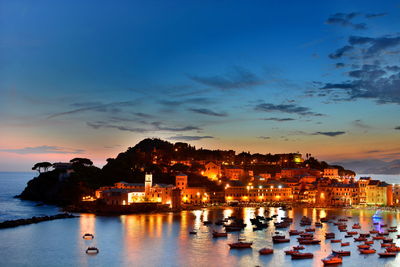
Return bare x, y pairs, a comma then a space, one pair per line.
396, 194
273, 191
191, 195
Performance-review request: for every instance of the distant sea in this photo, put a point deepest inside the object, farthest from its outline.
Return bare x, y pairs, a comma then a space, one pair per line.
11, 184
389, 178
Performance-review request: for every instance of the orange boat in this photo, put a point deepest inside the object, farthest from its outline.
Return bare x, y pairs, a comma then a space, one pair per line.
332, 259
373, 232
363, 246
393, 249
369, 242
241, 245
266, 251
387, 245
367, 251
345, 244
378, 237
359, 239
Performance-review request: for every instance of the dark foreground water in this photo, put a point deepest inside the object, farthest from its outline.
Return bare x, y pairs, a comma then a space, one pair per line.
164, 240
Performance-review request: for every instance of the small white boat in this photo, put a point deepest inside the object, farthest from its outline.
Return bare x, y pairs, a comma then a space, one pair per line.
92, 250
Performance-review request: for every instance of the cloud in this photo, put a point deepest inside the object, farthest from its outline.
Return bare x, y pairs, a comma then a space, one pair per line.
340, 52
340, 65
195, 100
397, 128
374, 46
190, 137
43, 150
208, 112
278, 119
152, 127
264, 137
237, 78
345, 20
376, 15
93, 106
286, 108
371, 82
361, 124
330, 134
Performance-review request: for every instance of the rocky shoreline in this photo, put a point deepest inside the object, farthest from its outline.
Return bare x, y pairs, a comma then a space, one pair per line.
34, 219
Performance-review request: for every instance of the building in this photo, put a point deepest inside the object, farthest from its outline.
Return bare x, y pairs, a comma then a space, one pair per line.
212, 171
233, 172
191, 195
274, 191
331, 173
396, 195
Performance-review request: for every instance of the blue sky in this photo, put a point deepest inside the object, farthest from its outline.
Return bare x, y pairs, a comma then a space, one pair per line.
94, 78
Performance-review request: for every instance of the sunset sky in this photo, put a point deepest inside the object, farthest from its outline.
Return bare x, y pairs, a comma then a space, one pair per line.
92, 78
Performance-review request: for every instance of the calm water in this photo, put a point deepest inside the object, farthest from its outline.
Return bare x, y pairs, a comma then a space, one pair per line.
164, 240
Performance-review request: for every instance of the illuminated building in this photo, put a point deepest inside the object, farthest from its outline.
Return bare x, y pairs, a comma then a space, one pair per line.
213, 171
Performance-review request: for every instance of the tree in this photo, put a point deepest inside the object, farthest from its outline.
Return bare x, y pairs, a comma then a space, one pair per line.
81, 161
42, 165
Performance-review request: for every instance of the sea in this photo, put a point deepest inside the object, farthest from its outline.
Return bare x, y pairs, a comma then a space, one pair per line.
163, 239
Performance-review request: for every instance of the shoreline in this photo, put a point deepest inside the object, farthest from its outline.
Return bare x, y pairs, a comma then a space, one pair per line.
35, 219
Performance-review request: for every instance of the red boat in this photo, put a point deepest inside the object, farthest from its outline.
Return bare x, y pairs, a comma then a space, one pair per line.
266, 251
378, 237
398, 236
369, 242
387, 240
387, 245
392, 230
373, 232
217, 234
332, 259
352, 233
342, 252
363, 246
241, 245
280, 240
336, 240
367, 251
310, 229
298, 256
294, 232
393, 249
310, 242
298, 248
306, 235
329, 235
345, 244
387, 254
356, 226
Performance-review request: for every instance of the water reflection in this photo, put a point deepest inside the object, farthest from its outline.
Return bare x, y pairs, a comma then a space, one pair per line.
164, 239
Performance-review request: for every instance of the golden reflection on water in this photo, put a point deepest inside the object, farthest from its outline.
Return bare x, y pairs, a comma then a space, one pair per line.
168, 235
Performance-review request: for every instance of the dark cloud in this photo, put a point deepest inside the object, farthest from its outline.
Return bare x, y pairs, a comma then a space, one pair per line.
340, 65
330, 134
345, 20
374, 46
180, 102
397, 128
208, 112
376, 15
286, 108
142, 115
237, 78
98, 125
278, 119
340, 52
370, 81
264, 137
392, 68
189, 137
43, 150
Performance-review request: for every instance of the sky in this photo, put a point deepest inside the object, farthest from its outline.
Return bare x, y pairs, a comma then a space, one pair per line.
92, 78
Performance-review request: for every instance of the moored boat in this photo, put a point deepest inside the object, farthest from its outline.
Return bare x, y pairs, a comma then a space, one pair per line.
266, 251
332, 259
345, 244
298, 247
193, 232
219, 234
290, 252
367, 251
369, 242
336, 240
241, 244
387, 254
342, 252
92, 250
363, 246
298, 256
88, 236
310, 242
